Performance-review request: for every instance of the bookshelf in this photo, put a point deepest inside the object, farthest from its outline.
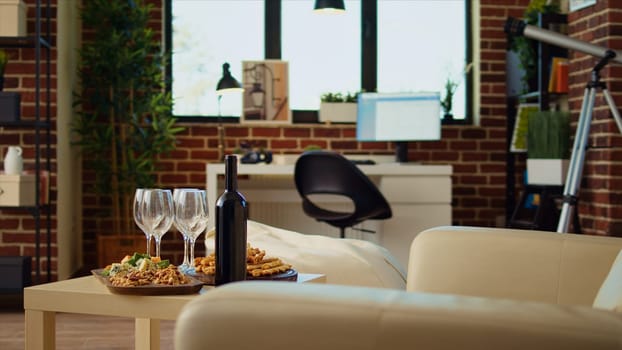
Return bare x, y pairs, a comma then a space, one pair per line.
545, 99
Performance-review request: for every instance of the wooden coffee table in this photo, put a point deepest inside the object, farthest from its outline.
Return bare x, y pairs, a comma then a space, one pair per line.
87, 295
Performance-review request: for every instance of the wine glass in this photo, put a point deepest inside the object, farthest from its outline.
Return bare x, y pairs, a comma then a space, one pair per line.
138, 218
191, 216
158, 213
186, 264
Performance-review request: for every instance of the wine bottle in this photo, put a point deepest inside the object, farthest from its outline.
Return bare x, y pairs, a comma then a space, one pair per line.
231, 217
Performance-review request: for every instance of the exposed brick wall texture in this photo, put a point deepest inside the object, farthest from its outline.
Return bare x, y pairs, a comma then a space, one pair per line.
477, 153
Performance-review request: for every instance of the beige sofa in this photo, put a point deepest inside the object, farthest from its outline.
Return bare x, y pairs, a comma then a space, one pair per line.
467, 288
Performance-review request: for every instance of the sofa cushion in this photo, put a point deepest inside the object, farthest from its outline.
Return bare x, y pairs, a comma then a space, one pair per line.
609, 295
343, 261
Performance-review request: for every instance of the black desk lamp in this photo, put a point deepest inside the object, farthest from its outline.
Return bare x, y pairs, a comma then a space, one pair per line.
226, 84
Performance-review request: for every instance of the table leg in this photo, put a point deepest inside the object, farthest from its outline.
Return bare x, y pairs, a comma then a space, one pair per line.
146, 334
40, 330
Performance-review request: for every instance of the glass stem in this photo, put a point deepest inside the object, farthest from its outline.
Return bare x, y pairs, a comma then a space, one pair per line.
192, 250
148, 244
157, 241
186, 261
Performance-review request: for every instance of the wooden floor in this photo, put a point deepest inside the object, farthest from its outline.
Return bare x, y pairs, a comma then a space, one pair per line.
79, 331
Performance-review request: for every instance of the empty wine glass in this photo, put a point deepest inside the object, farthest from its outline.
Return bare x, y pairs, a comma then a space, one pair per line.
138, 219
191, 217
186, 264
157, 211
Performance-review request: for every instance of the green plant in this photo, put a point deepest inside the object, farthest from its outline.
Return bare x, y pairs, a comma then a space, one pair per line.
313, 148
548, 135
524, 47
4, 59
124, 115
339, 97
450, 90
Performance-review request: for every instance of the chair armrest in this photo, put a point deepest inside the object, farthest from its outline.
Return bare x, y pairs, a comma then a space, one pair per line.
281, 315
508, 263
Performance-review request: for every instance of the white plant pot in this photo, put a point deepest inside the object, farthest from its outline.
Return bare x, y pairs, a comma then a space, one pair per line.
338, 112
547, 171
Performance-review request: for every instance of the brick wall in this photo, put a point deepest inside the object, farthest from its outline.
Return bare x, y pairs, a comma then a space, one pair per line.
600, 192
477, 153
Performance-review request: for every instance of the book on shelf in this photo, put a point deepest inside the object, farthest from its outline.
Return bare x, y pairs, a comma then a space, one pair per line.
558, 80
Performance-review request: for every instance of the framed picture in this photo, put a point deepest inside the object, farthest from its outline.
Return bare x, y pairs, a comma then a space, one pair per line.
579, 4
521, 125
266, 92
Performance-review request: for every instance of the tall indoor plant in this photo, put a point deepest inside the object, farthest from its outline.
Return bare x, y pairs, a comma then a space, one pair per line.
124, 115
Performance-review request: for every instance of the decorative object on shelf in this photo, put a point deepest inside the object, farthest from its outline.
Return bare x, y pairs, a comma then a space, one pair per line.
548, 147
525, 47
13, 18
10, 106
124, 121
17, 190
558, 80
13, 161
447, 103
9, 101
521, 125
329, 5
226, 85
4, 59
338, 108
266, 91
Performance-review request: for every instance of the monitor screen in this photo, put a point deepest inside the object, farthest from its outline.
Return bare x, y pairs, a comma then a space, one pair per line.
399, 117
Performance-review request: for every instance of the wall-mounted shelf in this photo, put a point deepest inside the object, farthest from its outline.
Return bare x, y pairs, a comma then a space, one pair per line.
40, 121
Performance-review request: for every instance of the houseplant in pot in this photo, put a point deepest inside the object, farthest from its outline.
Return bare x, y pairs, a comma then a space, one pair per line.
4, 59
448, 97
548, 147
124, 119
337, 107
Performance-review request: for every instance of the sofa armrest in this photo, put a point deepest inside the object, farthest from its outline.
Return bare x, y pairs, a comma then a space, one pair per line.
281, 315
509, 263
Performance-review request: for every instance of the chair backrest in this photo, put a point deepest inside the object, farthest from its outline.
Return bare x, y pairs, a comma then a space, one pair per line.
322, 172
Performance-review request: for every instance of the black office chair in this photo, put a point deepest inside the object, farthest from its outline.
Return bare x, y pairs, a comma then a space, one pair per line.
321, 172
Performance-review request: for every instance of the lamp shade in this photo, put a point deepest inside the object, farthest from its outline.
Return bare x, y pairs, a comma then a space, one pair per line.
227, 83
334, 5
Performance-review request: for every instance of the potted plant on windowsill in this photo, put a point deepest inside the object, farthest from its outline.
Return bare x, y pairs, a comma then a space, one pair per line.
124, 119
548, 147
447, 102
338, 108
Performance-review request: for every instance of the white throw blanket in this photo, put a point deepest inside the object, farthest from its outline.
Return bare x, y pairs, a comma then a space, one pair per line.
343, 261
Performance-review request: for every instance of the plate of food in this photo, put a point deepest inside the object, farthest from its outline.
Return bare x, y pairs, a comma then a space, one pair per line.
258, 267
141, 274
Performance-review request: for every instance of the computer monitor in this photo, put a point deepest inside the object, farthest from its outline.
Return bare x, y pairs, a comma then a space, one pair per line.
399, 117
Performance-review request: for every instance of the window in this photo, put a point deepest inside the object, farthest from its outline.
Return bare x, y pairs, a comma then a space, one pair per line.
205, 36
417, 45
420, 45
323, 51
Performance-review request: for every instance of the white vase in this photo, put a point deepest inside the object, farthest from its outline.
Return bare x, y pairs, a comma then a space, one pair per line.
13, 162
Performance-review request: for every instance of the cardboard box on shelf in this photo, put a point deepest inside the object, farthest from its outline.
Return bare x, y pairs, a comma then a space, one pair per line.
12, 18
17, 190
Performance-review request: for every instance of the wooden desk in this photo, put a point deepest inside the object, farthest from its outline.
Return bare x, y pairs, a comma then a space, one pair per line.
87, 295
419, 195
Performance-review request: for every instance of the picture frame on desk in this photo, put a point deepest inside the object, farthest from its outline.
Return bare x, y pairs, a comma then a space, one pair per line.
266, 92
